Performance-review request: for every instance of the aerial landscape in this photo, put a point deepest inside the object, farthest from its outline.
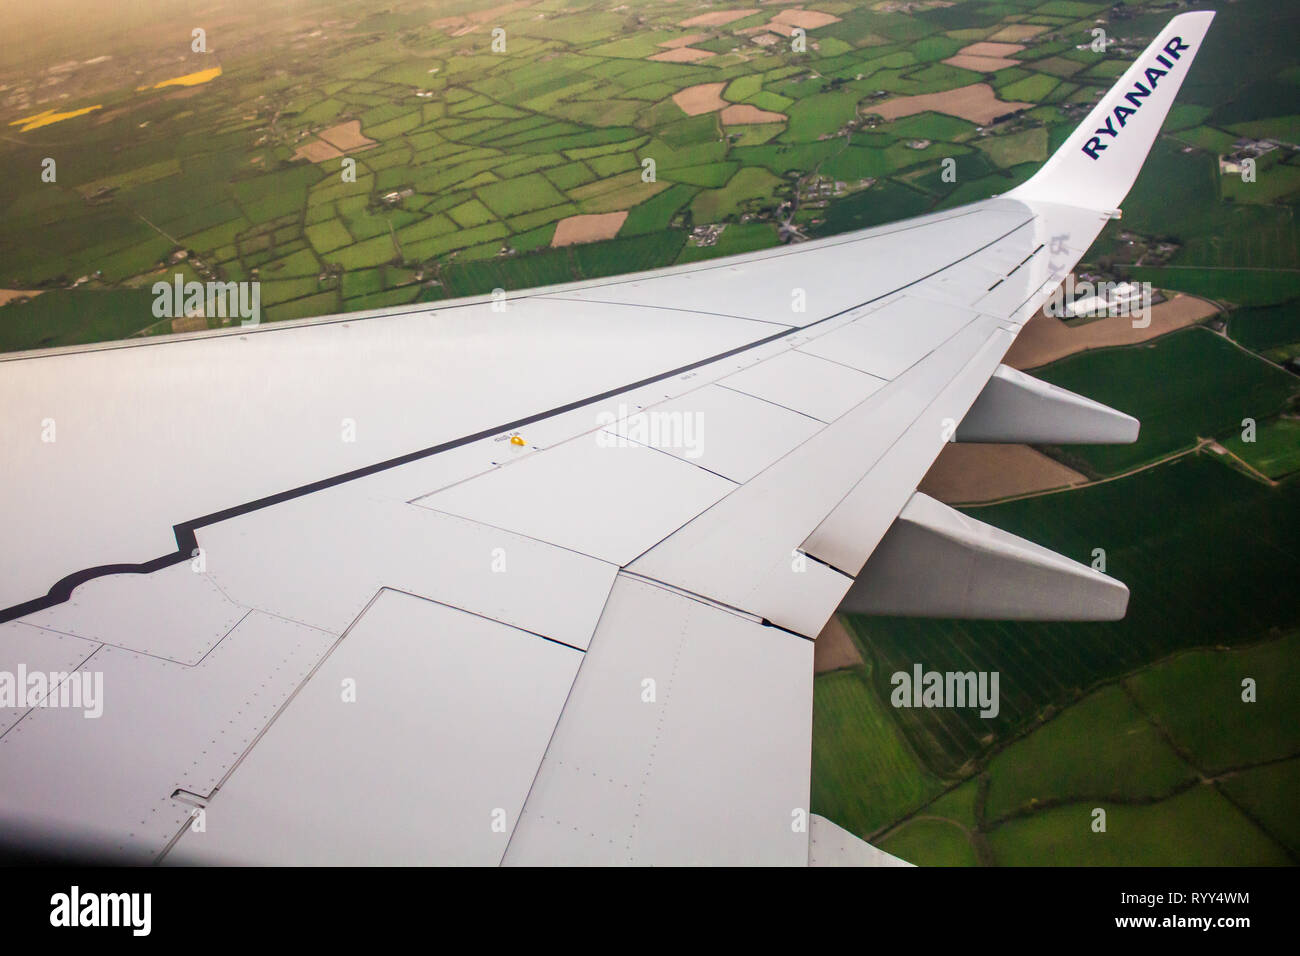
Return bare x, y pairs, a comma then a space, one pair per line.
345, 156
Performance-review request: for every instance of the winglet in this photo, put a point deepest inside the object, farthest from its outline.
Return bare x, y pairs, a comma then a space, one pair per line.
1097, 166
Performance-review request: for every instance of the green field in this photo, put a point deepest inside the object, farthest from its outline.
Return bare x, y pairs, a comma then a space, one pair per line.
749, 187
1017, 148
1198, 827
1178, 195
1138, 749
1167, 385
863, 774
1266, 327
745, 237
75, 317
819, 115
1100, 748
1267, 795
1207, 552
1224, 284
1197, 699
883, 203
927, 840
1275, 450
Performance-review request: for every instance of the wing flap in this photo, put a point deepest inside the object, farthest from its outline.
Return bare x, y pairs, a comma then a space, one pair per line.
385, 770
163, 727
686, 740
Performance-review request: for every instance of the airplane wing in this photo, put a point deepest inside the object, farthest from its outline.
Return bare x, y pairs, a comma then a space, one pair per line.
532, 578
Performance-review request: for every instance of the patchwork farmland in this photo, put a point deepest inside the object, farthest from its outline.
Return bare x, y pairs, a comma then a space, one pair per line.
375, 157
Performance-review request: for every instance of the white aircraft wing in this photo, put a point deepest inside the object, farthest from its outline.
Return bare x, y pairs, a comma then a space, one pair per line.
533, 579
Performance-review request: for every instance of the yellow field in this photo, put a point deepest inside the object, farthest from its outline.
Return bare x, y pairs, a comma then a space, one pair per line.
46, 117
189, 79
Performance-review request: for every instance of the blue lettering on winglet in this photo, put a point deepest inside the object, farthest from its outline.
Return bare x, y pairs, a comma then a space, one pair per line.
1133, 99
